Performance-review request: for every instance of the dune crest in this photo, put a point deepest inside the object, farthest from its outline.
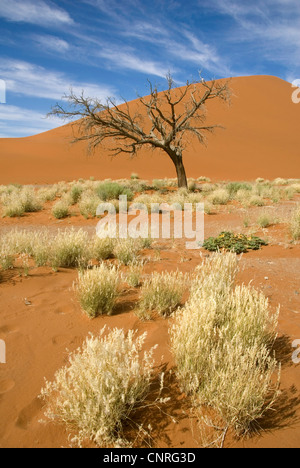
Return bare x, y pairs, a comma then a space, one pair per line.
261, 139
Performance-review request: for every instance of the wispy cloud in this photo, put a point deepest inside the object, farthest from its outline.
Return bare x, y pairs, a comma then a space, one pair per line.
20, 122
37, 12
122, 59
51, 43
28, 79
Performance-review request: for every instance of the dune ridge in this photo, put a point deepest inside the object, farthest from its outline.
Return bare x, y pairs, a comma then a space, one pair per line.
261, 138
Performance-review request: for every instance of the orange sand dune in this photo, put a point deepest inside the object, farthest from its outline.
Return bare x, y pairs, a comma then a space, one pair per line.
261, 139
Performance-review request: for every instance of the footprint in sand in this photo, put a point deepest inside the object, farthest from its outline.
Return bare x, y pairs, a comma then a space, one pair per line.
7, 330
6, 385
28, 413
60, 339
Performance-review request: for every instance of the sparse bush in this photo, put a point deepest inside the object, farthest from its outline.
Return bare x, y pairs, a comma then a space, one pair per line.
102, 248
221, 342
255, 200
161, 293
112, 191
75, 194
6, 258
133, 277
70, 248
234, 187
134, 176
97, 290
158, 183
13, 208
296, 187
47, 194
88, 204
295, 224
265, 220
280, 181
29, 200
61, 209
126, 250
219, 197
104, 381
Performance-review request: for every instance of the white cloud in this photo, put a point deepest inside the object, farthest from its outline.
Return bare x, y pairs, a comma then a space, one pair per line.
28, 79
272, 26
52, 43
130, 61
34, 11
20, 122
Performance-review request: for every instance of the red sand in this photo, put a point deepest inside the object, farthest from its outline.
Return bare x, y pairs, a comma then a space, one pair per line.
261, 139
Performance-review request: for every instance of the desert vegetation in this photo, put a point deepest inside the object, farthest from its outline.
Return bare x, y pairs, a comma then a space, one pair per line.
221, 341
102, 384
220, 331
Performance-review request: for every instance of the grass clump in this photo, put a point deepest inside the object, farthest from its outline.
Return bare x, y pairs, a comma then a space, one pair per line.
127, 250
266, 220
161, 293
234, 187
61, 209
88, 204
112, 191
17, 201
102, 248
238, 243
221, 342
134, 274
101, 385
295, 224
69, 249
219, 197
75, 193
97, 290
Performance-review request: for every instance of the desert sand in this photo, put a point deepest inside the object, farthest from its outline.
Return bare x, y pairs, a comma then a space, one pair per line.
260, 139
40, 317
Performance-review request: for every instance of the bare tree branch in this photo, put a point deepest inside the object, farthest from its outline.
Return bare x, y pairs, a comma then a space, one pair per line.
162, 120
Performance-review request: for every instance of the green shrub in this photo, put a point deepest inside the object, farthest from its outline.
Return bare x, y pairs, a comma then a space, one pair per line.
238, 243
234, 187
76, 192
112, 191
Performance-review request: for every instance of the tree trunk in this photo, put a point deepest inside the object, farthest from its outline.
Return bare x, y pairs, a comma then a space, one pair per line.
181, 174
176, 157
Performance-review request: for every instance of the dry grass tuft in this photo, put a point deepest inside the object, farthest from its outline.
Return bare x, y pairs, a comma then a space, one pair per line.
104, 381
221, 341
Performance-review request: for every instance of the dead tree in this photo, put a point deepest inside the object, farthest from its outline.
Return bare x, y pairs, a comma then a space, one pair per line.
164, 120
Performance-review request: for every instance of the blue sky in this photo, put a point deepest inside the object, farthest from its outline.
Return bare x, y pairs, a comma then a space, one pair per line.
111, 48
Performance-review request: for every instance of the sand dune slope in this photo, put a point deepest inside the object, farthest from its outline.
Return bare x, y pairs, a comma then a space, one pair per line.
261, 139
